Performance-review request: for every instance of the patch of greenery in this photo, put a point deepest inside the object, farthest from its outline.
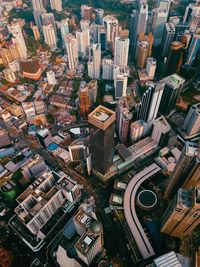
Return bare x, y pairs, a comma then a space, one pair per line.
50, 118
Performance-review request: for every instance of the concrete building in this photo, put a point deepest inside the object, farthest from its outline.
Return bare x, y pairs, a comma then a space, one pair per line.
84, 101
6, 56
34, 167
191, 125
108, 22
17, 37
64, 29
124, 124
40, 201
56, 5
83, 41
92, 90
107, 68
50, 36
121, 51
101, 37
30, 68
72, 51
44, 137
137, 130
161, 130
51, 77
86, 12
4, 138
102, 121
151, 67
171, 259
185, 168
142, 53
99, 16
120, 81
9, 75
36, 32
182, 215
160, 19
37, 5
94, 63
174, 60
91, 240
84, 24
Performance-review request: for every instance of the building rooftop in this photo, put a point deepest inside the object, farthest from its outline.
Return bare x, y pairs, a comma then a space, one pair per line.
85, 243
101, 117
174, 81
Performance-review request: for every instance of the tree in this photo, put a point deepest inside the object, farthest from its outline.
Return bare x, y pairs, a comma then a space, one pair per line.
50, 118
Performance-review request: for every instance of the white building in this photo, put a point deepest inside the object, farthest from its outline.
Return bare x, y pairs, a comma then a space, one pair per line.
37, 5
18, 38
108, 22
192, 122
107, 68
9, 75
72, 51
84, 24
51, 77
120, 81
50, 36
161, 129
64, 29
94, 63
151, 67
137, 130
83, 41
56, 4
121, 51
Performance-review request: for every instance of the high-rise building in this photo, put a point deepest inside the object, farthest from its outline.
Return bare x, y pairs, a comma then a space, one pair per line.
9, 75
182, 215
91, 240
84, 24
102, 121
120, 81
160, 20
64, 29
107, 68
174, 59
164, 4
151, 67
56, 5
150, 21
193, 50
92, 90
121, 51
48, 18
137, 130
37, 14
142, 53
172, 90
139, 21
72, 51
6, 56
125, 118
83, 41
50, 36
186, 164
17, 37
84, 101
160, 132
51, 77
86, 12
37, 5
191, 125
36, 32
101, 37
150, 103
99, 16
167, 38
108, 22
94, 63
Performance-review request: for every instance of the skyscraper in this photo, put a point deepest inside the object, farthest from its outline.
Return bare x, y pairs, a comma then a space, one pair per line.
160, 132
99, 16
191, 125
125, 117
17, 37
193, 50
6, 56
84, 101
139, 21
50, 36
108, 22
182, 215
101, 37
121, 51
159, 24
107, 68
120, 81
72, 51
186, 163
142, 53
102, 121
36, 32
172, 90
48, 18
83, 41
164, 4
150, 103
64, 29
151, 67
37, 5
167, 38
56, 4
94, 63
137, 130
